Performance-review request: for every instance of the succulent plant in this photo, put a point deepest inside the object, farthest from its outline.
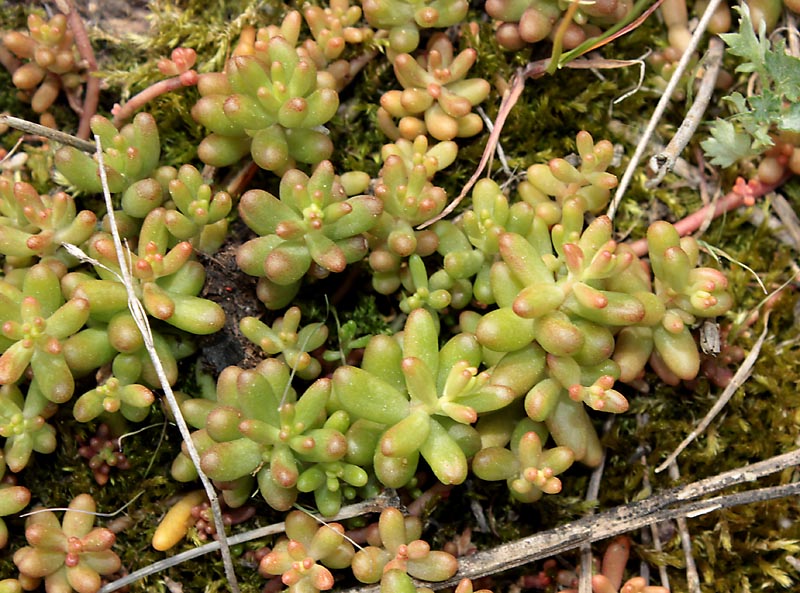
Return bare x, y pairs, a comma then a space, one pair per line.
332, 28
411, 389
52, 60
436, 98
166, 279
176, 522
130, 156
69, 555
269, 102
405, 18
199, 217
285, 339
303, 557
34, 225
115, 395
529, 470
409, 198
551, 311
687, 292
547, 186
398, 556
530, 21
259, 426
419, 293
13, 499
23, 424
36, 321
314, 228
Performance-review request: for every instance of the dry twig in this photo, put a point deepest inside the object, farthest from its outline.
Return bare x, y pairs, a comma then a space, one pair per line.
91, 96
664, 161
692, 578
140, 317
737, 381
661, 107
675, 502
38, 130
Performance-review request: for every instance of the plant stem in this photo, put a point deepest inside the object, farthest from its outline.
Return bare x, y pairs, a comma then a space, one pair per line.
123, 112
730, 201
91, 96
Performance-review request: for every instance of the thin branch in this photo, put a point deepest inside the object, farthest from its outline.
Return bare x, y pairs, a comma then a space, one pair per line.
140, 317
501, 154
675, 502
592, 494
683, 64
510, 99
737, 381
664, 161
654, 533
692, 578
91, 96
38, 130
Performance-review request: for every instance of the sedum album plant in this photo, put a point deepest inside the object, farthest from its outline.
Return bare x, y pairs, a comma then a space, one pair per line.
389, 346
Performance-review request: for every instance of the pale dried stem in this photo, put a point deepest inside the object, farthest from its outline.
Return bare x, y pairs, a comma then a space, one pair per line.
38, 130
664, 161
654, 532
683, 64
675, 502
788, 218
509, 100
140, 317
592, 495
692, 578
741, 375
501, 154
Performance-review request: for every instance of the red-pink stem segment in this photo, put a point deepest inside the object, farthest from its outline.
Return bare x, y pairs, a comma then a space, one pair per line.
123, 112
742, 194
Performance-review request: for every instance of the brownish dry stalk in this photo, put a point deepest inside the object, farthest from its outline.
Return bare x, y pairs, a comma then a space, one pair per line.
737, 381
672, 503
91, 97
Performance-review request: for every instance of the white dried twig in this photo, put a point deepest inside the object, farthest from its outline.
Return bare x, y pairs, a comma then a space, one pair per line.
675, 502
737, 381
692, 577
38, 130
661, 107
140, 317
664, 161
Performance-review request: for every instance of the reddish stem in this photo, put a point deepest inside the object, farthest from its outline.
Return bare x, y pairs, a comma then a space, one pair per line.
123, 112
92, 95
742, 194
417, 507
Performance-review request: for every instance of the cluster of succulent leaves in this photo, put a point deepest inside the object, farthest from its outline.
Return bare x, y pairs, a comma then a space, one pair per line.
513, 317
